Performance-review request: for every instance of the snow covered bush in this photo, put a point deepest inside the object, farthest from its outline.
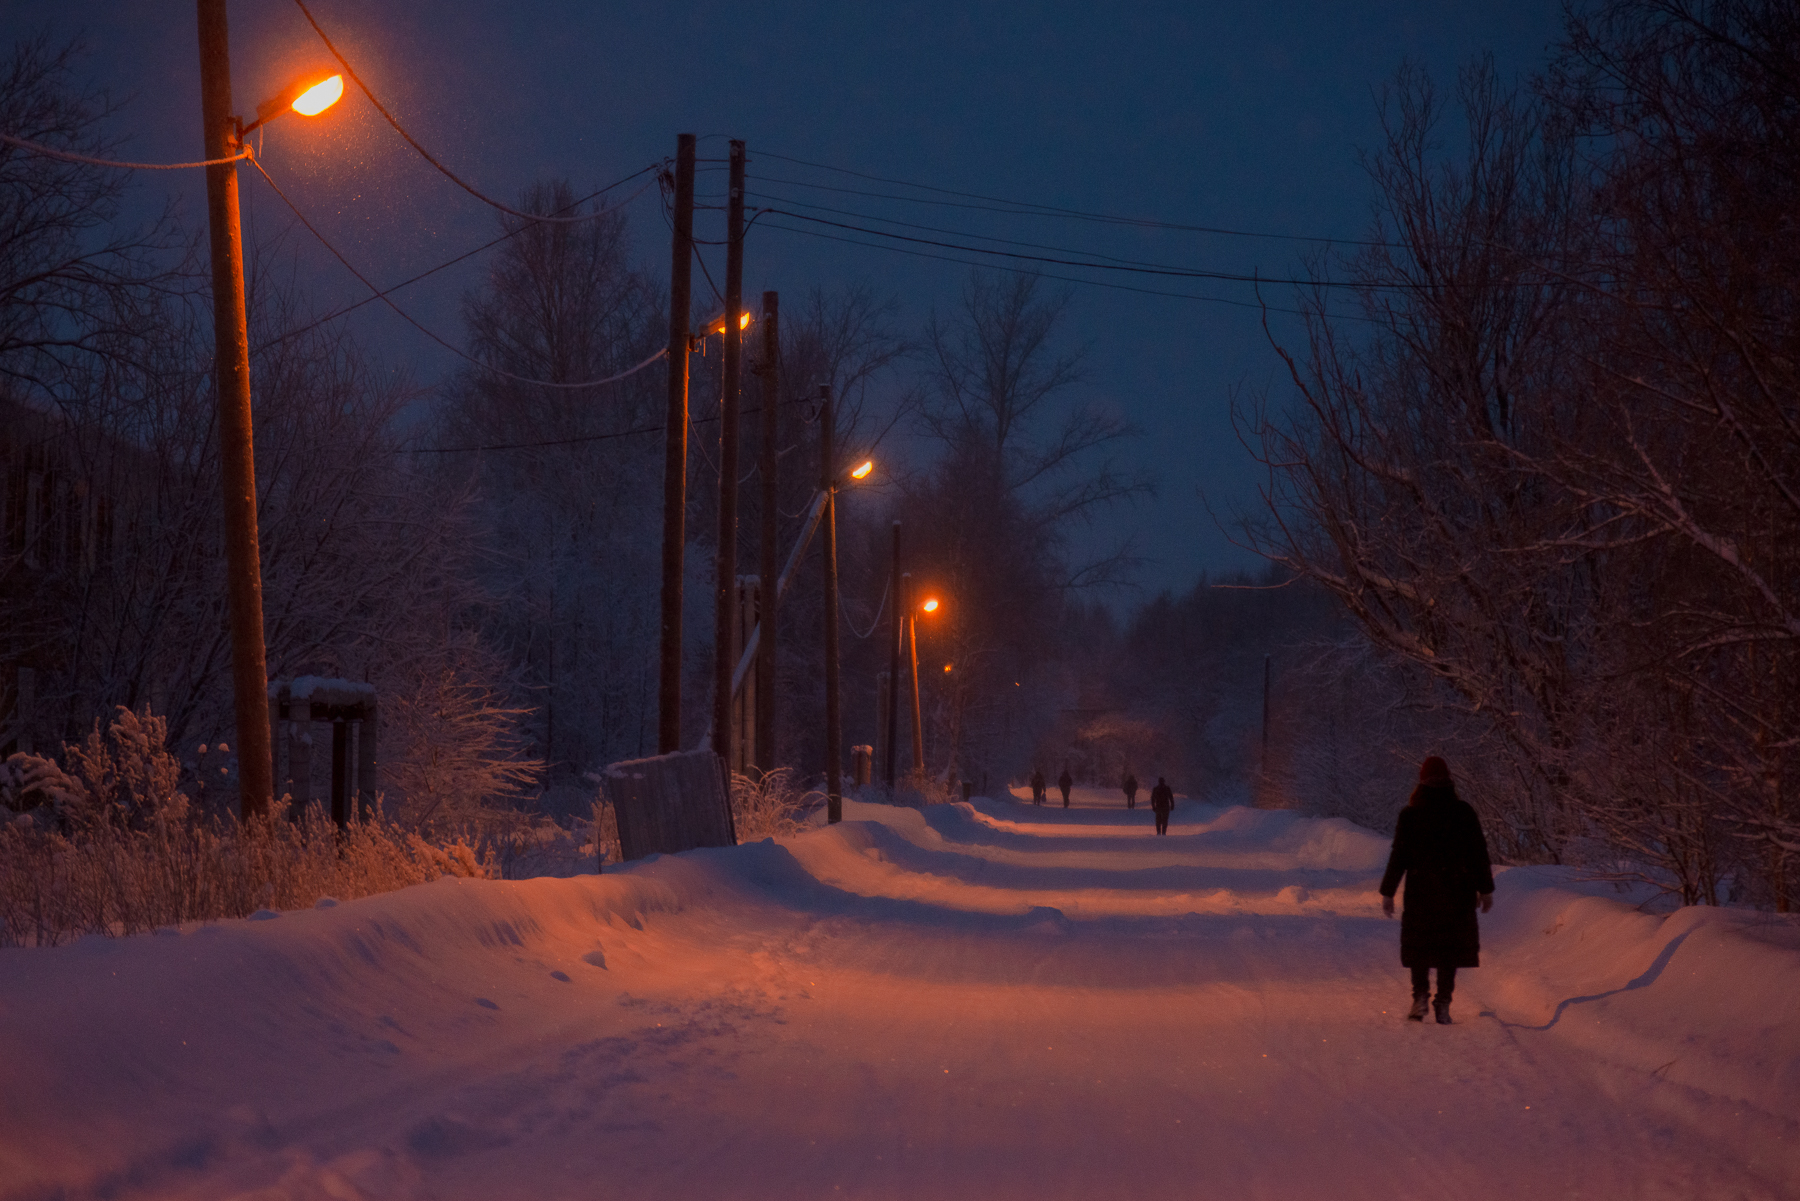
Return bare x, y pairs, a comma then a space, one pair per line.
455, 755
772, 807
36, 790
108, 844
128, 775
108, 879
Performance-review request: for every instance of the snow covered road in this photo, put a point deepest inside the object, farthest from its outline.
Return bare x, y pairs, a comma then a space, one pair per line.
982, 1001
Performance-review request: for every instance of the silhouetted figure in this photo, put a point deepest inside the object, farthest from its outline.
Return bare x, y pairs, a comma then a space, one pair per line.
1440, 850
1162, 803
1130, 786
1037, 786
1065, 782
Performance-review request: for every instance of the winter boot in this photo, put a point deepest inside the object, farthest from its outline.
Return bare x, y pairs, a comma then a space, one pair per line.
1417, 1013
1441, 1007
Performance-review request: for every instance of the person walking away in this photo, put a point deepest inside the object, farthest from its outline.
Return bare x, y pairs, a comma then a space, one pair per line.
1037, 786
1130, 786
1162, 802
1441, 852
1065, 782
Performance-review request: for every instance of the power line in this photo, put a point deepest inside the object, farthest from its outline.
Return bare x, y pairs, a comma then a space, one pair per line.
424, 153
404, 316
1073, 279
467, 254
71, 157
1032, 208
584, 438
937, 229
1176, 272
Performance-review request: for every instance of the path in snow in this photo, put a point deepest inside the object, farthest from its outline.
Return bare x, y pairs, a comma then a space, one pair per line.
983, 1001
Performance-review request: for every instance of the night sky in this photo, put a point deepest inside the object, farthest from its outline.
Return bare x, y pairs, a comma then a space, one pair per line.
1241, 117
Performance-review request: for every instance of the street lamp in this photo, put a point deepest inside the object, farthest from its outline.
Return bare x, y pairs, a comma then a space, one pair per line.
231, 381
928, 605
718, 323
307, 95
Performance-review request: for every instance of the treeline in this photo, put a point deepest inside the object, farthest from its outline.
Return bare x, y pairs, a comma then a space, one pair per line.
1551, 468
486, 550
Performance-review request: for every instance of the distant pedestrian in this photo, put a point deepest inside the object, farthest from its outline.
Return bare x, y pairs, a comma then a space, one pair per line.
1037, 786
1440, 850
1065, 782
1130, 786
1162, 802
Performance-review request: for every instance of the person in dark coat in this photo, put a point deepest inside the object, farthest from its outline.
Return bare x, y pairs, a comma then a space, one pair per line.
1162, 801
1065, 782
1440, 850
1037, 786
1130, 786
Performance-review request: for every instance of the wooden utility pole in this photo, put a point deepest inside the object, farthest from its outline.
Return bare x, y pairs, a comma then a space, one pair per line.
1263, 763
912, 642
681, 259
237, 456
896, 595
834, 726
768, 468
725, 572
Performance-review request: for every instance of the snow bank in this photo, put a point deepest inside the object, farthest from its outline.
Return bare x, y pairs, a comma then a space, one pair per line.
974, 1000
1702, 997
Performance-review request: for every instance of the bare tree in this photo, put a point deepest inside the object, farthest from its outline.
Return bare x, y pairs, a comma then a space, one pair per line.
558, 474
72, 279
1017, 468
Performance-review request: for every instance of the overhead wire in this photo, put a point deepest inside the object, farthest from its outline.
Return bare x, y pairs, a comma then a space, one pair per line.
424, 153
1073, 279
467, 254
404, 316
585, 438
70, 156
938, 229
1029, 207
1175, 272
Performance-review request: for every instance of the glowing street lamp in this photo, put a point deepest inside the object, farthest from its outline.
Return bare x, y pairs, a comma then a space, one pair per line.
307, 95
223, 135
718, 325
862, 472
928, 605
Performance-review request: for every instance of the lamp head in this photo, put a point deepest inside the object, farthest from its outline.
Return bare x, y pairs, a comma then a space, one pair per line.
931, 605
319, 97
309, 95
862, 472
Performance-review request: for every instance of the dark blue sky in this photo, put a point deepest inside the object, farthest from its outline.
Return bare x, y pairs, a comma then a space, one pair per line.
1237, 116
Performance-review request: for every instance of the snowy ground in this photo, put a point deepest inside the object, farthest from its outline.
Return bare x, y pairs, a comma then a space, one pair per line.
986, 1001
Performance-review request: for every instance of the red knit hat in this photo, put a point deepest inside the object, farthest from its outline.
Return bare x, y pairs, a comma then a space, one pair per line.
1434, 771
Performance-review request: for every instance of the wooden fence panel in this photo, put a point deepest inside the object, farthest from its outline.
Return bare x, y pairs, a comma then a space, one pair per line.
670, 803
